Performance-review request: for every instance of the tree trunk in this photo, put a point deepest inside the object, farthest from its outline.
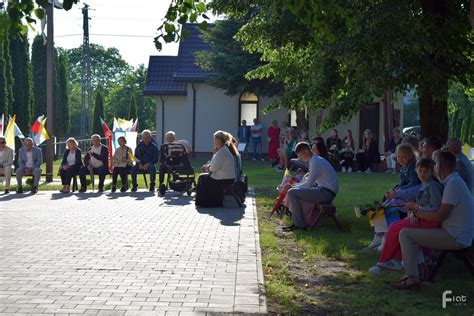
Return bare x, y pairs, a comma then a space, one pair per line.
433, 112
302, 124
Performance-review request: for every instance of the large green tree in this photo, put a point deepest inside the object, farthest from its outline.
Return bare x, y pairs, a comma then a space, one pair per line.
132, 108
22, 81
339, 55
38, 63
107, 66
98, 112
229, 62
6, 78
62, 112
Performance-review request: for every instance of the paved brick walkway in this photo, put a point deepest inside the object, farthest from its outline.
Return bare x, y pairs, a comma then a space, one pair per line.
136, 253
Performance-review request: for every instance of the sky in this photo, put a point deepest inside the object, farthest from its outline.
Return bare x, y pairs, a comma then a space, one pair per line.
120, 22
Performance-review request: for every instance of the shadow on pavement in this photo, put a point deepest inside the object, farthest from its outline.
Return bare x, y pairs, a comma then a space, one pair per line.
227, 216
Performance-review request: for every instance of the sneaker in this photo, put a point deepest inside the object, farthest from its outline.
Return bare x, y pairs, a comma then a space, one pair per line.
343, 169
134, 188
380, 248
390, 265
34, 189
19, 189
375, 270
349, 169
377, 241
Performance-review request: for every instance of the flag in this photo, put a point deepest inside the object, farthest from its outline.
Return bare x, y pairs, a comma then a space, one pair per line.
134, 126
42, 134
1, 125
36, 127
108, 135
10, 133
17, 131
105, 128
125, 125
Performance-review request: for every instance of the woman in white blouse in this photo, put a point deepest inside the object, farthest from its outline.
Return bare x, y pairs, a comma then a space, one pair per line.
218, 173
70, 164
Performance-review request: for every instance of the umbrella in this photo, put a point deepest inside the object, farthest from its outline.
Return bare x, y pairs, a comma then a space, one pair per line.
281, 197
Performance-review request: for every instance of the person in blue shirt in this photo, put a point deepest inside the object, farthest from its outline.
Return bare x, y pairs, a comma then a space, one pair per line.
146, 156
243, 134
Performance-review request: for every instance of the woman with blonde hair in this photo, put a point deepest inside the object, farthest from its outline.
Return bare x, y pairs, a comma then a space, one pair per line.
71, 164
217, 174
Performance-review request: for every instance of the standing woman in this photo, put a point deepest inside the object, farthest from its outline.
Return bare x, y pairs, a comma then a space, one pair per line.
122, 163
368, 152
273, 141
70, 165
347, 152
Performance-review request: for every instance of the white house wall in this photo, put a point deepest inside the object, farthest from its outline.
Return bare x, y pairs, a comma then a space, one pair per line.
217, 111
178, 117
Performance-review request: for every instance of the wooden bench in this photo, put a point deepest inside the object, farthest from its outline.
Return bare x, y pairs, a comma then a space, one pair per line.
314, 219
462, 254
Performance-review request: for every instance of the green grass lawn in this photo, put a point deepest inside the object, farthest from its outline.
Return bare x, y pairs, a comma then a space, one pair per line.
325, 270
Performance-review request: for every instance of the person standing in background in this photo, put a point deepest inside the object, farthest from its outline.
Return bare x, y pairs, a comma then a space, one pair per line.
273, 141
256, 131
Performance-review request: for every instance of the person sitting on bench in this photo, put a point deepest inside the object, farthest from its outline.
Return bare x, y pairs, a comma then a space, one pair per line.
456, 216
29, 163
170, 139
122, 163
96, 161
146, 156
71, 164
6, 162
319, 185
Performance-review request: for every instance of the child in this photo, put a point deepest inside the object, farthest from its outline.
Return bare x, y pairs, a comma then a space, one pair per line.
428, 199
401, 194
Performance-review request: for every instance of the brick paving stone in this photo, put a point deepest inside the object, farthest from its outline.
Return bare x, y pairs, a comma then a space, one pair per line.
127, 254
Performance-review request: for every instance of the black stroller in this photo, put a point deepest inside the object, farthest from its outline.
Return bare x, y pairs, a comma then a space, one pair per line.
180, 173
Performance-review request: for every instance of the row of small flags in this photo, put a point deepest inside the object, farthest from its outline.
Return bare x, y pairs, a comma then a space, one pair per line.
11, 130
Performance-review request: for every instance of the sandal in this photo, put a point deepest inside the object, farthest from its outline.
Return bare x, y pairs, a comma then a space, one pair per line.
402, 285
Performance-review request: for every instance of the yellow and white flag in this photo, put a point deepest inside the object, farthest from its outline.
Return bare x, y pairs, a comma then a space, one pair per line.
42, 135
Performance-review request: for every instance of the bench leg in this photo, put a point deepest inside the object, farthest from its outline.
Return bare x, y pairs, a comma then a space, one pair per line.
468, 262
437, 265
336, 222
236, 197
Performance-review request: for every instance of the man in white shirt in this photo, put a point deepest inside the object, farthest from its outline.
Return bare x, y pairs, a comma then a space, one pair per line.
319, 185
6, 162
256, 131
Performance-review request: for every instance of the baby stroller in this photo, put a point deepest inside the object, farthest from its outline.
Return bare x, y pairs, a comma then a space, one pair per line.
180, 173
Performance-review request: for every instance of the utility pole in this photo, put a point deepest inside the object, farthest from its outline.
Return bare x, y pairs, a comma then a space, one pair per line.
86, 113
50, 91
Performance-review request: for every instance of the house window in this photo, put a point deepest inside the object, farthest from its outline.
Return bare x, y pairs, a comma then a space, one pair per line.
248, 108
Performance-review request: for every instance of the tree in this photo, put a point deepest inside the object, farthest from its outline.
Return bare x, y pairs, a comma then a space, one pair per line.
320, 50
228, 62
38, 63
6, 78
22, 81
132, 109
107, 66
62, 115
98, 112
